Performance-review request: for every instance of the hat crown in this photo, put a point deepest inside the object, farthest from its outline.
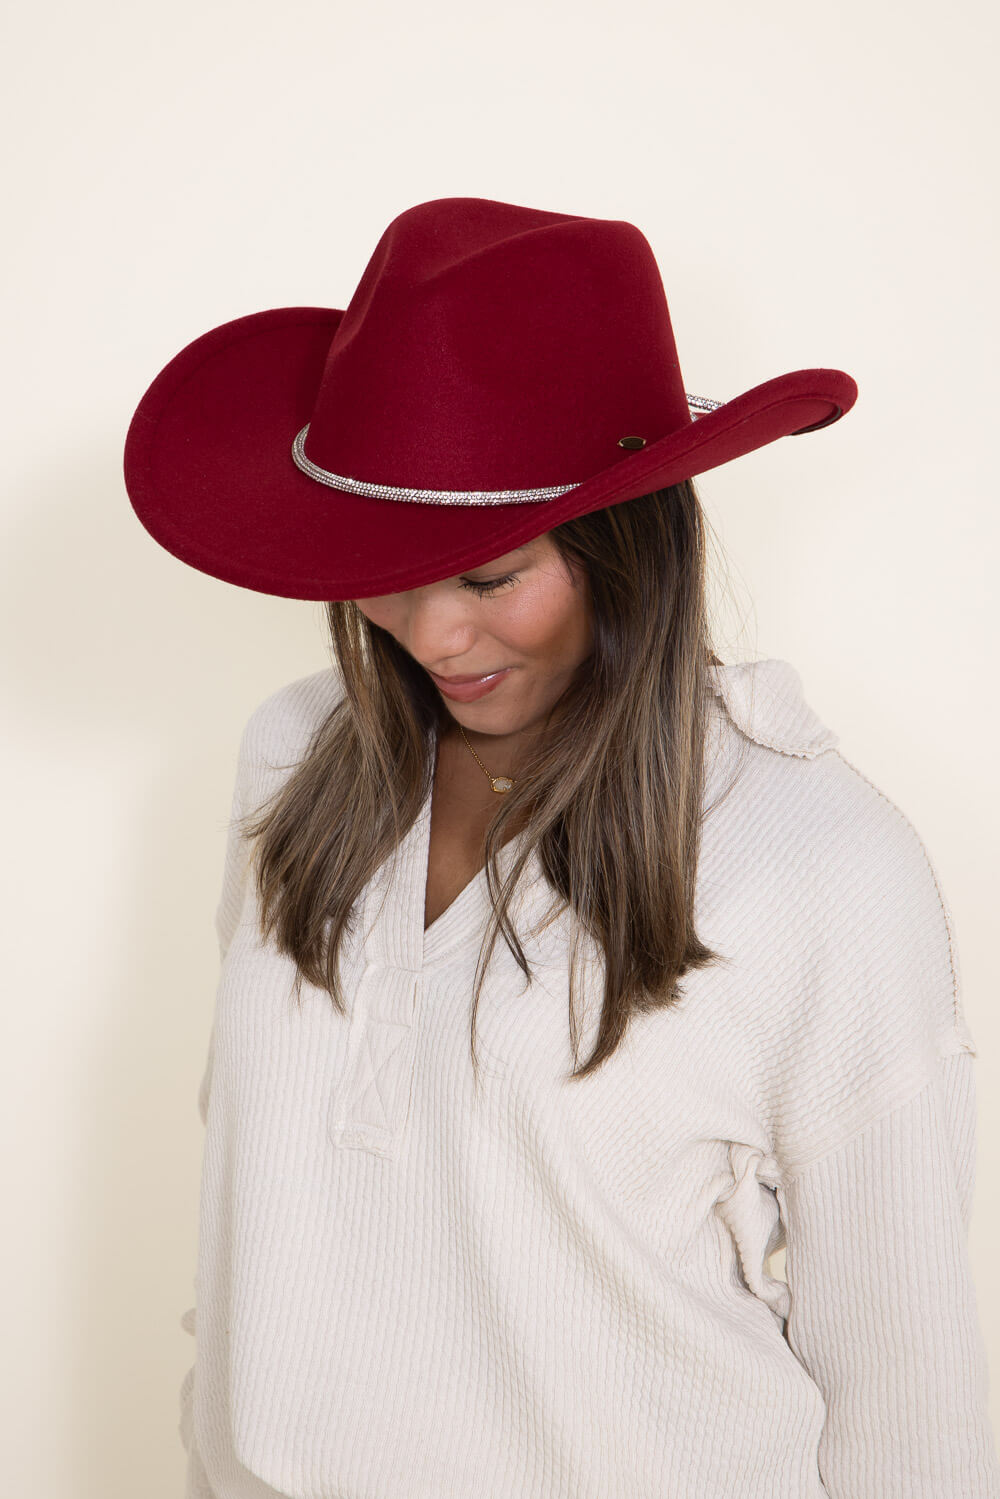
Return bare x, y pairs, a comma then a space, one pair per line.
492, 346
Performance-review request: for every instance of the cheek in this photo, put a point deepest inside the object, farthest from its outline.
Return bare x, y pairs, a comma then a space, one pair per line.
543, 622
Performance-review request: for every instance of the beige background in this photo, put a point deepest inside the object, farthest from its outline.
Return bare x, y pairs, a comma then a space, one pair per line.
818, 186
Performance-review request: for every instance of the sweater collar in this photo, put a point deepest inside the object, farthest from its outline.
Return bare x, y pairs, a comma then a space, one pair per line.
764, 699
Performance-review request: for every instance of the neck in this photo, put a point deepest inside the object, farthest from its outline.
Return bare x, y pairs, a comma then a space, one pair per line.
501, 752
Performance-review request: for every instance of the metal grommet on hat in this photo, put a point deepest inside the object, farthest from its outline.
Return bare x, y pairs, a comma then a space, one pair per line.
464, 402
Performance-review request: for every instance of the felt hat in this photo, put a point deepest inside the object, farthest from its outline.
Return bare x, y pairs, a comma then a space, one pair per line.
498, 370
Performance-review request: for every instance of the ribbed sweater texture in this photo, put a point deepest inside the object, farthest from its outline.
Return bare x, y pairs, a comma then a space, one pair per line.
411, 1287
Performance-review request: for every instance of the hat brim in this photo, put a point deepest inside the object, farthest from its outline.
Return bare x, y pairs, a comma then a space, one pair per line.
209, 470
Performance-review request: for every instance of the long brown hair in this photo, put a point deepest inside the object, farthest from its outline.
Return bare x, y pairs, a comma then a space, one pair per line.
611, 796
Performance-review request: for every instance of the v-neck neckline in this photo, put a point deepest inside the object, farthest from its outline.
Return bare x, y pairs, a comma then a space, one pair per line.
464, 909
462, 918
394, 915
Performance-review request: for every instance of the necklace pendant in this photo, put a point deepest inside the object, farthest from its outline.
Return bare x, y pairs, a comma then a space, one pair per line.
501, 783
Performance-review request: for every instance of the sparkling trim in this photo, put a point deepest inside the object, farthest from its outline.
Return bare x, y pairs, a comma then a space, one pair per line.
425, 496
443, 496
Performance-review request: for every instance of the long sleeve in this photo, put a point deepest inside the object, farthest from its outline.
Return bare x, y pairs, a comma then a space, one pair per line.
230, 903
883, 1311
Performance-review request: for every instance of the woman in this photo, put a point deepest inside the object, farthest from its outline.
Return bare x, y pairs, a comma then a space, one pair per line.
487, 1217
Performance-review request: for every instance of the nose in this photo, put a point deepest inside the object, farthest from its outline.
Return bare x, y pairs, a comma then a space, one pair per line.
438, 631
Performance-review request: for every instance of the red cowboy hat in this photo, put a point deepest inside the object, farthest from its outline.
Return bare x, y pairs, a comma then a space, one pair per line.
498, 370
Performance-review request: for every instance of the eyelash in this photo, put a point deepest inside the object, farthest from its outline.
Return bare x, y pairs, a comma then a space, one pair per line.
485, 590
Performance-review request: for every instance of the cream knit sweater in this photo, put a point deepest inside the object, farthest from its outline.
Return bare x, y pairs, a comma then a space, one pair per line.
408, 1289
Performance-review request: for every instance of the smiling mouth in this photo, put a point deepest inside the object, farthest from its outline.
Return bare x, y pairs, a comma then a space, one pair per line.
465, 681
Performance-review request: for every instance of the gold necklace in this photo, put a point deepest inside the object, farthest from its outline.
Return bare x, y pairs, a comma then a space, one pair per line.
499, 783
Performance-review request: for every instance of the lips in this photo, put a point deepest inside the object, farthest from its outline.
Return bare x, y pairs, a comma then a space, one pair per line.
464, 681
468, 689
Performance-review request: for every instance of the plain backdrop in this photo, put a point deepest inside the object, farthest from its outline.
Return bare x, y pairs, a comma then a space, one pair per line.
818, 186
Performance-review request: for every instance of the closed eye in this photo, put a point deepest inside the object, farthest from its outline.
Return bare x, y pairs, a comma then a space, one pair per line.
491, 586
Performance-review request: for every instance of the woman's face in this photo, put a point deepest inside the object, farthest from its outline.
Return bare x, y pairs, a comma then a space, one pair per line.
523, 610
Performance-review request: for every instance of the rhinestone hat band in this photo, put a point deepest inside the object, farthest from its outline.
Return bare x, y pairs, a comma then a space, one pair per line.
452, 496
